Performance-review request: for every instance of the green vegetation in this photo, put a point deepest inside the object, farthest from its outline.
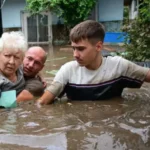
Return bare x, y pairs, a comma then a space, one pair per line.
72, 11
137, 42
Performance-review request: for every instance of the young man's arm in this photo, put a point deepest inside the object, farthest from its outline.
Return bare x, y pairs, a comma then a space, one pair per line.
136, 71
147, 79
46, 98
50, 93
57, 86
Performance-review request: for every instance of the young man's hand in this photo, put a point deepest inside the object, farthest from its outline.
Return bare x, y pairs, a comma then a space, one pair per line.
46, 98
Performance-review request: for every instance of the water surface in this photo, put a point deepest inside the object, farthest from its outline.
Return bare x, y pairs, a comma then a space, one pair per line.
116, 124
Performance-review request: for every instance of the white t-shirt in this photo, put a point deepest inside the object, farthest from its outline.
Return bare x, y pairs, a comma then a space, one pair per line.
114, 74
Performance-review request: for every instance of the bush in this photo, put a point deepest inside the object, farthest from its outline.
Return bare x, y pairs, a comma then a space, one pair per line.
72, 11
137, 43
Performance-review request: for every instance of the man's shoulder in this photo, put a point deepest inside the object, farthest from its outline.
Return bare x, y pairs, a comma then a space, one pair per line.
37, 78
34, 86
114, 58
67, 70
70, 65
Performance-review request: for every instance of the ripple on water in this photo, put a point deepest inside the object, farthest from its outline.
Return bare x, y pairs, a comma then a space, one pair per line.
114, 124
50, 141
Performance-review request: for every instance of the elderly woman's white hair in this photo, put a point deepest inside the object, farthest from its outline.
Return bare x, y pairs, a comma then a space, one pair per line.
14, 40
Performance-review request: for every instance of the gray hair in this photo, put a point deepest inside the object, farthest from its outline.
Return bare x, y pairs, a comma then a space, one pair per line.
13, 40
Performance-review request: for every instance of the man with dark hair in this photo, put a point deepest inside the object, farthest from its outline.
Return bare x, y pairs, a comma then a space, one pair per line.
91, 76
33, 63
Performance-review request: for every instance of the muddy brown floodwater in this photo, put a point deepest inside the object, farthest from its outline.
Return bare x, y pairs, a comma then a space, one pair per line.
116, 124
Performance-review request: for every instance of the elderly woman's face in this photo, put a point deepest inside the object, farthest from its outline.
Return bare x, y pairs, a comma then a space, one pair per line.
10, 60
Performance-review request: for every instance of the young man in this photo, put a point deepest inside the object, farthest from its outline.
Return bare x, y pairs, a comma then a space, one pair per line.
33, 63
91, 76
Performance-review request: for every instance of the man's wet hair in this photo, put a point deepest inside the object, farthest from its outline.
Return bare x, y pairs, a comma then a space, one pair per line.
88, 30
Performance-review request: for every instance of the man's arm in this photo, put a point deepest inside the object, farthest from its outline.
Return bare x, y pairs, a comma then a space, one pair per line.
57, 86
33, 88
39, 76
25, 95
46, 98
147, 78
50, 93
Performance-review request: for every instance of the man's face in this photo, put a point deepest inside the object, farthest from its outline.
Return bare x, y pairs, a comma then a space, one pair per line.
32, 63
85, 53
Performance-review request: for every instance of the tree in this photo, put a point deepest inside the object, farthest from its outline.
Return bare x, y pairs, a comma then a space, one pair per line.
137, 42
72, 11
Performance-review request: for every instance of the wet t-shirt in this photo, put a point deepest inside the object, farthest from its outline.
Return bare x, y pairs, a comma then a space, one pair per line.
34, 85
108, 81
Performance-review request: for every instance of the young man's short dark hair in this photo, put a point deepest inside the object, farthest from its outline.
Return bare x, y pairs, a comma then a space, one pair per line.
90, 30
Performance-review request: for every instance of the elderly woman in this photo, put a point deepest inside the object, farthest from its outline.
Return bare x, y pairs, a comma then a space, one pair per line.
12, 48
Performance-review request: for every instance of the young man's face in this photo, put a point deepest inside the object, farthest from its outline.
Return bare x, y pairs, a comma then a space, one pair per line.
85, 53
